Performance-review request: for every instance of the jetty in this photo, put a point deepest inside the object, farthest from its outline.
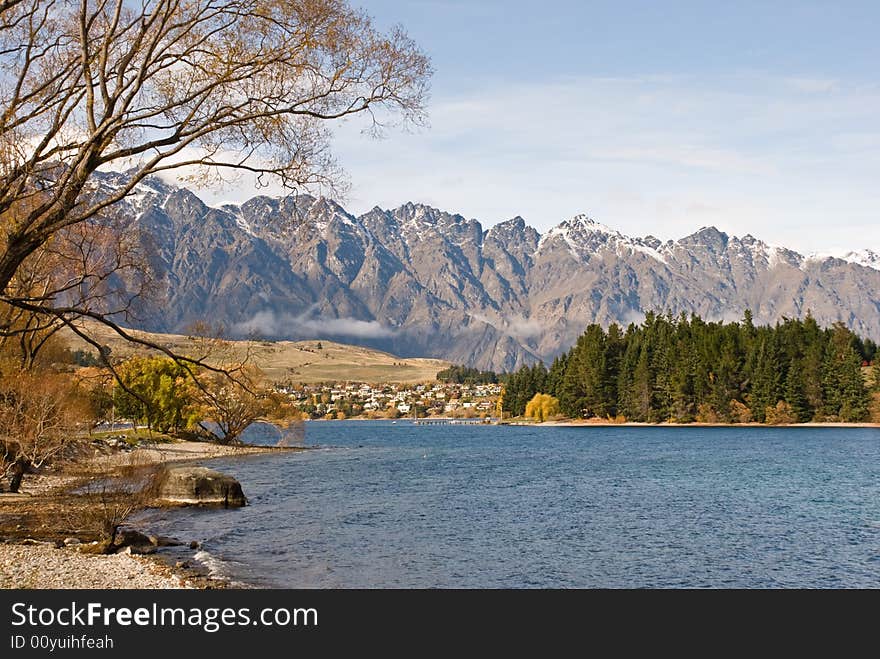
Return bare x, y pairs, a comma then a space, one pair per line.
454, 422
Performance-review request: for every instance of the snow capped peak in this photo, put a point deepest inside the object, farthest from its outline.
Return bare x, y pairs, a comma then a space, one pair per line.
773, 255
423, 214
866, 258
515, 223
325, 204
324, 211
581, 225
507, 228
147, 192
708, 237
651, 241
420, 222
587, 223
584, 237
410, 213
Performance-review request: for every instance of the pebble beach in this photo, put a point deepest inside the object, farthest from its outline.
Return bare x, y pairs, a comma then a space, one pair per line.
34, 563
42, 566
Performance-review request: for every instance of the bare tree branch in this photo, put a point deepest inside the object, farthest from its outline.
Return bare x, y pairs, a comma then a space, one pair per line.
149, 87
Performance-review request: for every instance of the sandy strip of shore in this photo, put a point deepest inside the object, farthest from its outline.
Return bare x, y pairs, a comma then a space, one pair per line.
42, 565
184, 451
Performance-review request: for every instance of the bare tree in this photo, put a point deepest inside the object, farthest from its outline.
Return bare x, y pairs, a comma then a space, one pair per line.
229, 404
98, 268
37, 420
204, 87
106, 502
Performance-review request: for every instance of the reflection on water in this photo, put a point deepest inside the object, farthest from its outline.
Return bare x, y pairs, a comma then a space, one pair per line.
382, 505
262, 433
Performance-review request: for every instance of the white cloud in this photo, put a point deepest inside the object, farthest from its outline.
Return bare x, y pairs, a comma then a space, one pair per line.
525, 328
517, 327
270, 323
780, 158
812, 85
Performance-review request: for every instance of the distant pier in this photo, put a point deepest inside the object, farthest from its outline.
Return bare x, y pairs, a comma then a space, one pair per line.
454, 422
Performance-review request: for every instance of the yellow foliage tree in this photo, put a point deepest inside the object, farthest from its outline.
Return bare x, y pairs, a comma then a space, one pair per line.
874, 408
780, 414
542, 407
739, 412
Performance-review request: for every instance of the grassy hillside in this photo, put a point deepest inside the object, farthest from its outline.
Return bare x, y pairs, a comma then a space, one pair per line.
298, 361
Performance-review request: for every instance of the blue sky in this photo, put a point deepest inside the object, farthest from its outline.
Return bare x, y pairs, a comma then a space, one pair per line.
651, 117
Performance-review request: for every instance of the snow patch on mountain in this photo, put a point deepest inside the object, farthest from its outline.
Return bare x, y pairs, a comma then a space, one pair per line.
866, 258
235, 212
585, 236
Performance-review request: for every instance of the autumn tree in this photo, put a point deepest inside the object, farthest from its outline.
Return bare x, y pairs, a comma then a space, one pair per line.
740, 413
39, 417
227, 406
208, 88
780, 414
155, 391
521, 386
97, 268
541, 407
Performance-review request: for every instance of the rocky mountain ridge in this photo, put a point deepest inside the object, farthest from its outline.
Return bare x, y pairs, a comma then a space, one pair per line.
419, 281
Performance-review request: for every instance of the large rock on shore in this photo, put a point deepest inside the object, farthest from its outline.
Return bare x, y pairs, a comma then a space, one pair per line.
199, 486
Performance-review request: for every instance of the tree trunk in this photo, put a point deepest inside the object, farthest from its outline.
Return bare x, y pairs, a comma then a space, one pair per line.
111, 544
17, 474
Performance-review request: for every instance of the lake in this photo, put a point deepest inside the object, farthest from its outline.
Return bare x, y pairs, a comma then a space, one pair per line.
382, 505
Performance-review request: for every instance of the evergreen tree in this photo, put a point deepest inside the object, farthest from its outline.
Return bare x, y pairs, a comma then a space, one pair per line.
726, 383
682, 377
626, 368
765, 384
870, 350
641, 388
571, 390
685, 368
615, 345
556, 375
812, 364
796, 393
846, 396
586, 383
466, 375
522, 386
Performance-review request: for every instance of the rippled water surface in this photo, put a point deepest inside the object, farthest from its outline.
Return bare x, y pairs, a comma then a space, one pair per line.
381, 505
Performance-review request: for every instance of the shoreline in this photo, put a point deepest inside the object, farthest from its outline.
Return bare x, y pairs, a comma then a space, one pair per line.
31, 558
635, 424
577, 423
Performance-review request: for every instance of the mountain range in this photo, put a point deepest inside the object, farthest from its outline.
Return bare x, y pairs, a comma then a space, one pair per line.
418, 281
